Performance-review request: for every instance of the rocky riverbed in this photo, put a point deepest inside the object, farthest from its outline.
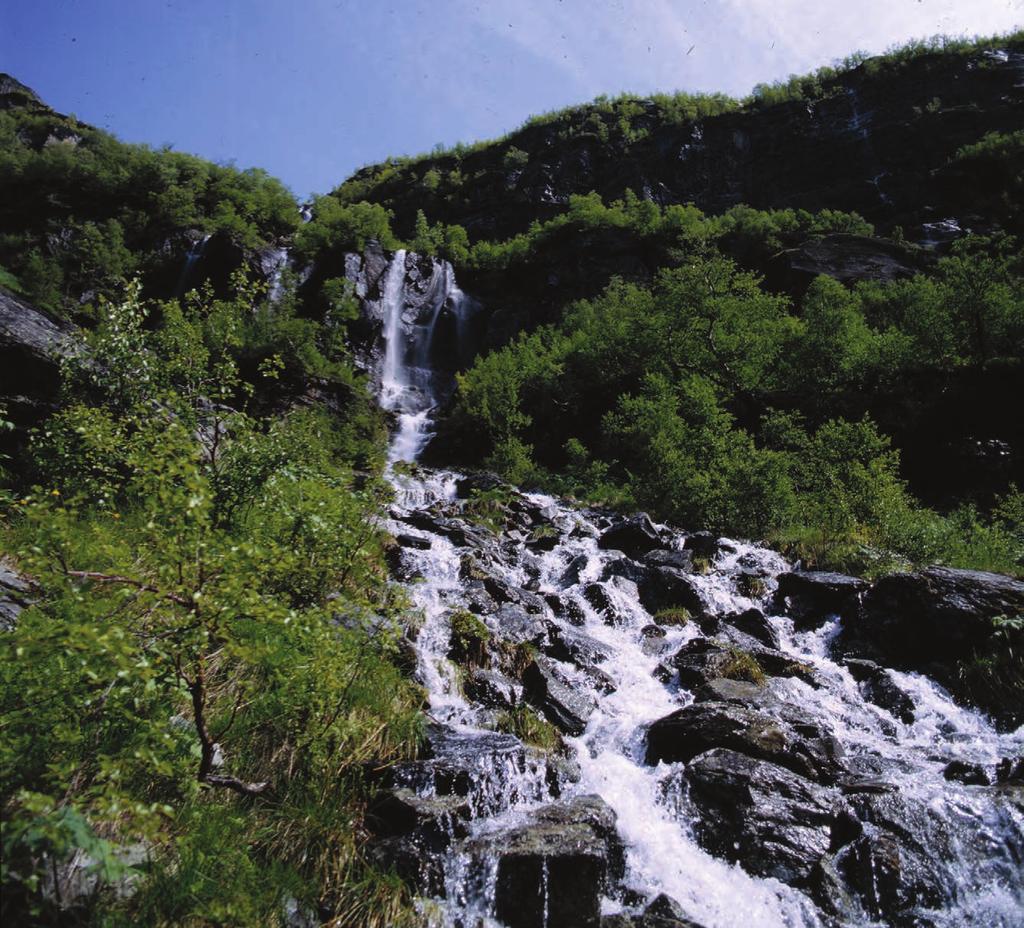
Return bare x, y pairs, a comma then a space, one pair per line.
715, 737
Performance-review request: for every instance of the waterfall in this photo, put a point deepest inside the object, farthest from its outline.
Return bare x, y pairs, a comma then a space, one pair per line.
417, 371
547, 586
274, 267
191, 259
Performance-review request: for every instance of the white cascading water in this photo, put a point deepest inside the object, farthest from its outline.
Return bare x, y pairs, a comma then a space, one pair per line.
982, 882
276, 264
191, 260
411, 387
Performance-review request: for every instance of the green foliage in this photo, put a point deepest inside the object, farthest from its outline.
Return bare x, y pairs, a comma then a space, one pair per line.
487, 507
469, 639
530, 728
109, 208
196, 671
673, 617
667, 397
515, 159
337, 227
994, 675
742, 665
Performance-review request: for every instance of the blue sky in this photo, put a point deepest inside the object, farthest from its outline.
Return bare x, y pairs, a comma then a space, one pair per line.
313, 89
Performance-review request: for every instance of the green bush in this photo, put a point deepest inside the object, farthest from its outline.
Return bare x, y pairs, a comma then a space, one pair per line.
196, 671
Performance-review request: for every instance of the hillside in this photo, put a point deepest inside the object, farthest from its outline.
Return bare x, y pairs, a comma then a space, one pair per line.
876, 136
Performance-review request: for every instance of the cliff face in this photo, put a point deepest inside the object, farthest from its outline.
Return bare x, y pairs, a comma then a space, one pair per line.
880, 141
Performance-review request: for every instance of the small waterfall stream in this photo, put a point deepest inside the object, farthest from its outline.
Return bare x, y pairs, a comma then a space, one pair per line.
412, 381
548, 587
191, 260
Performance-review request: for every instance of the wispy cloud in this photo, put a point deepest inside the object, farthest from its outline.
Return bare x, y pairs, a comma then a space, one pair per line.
720, 44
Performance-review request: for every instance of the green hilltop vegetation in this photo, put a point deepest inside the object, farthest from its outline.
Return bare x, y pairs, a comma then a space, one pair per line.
214, 666
626, 119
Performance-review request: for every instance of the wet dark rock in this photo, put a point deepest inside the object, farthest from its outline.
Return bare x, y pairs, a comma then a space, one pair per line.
413, 541
669, 588
566, 608
457, 763
751, 583
1010, 770
895, 866
401, 812
704, 659
851, 258
794, 740
543, 541
739, 692
564, 704
459, 532
634, 536
573, 647
753, 622
477, 599
966, 773
680, 560
598, 597
809, 597
627, 569
931, 621
492, 690
663, 674
763, 816
554, 869
663, 912
877, 686
410, 833
866, 785
515, 624
573, 571
32, 346
401, 565
705, 545
665, 907
419, 868
699, 661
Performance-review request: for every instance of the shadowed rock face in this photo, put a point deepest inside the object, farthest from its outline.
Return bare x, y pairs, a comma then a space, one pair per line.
32, 344
933, 620
553, 869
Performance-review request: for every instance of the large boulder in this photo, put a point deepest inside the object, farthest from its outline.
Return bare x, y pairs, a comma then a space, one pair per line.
575, 647
763, 816
932, 621
410, 834
32, 346
564, 703
15, 595
894, 863
662, 912
789, 738
735, 655
809, 597
663, 587
877, 685
634, 536
554, 869
850, 258
456, 763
